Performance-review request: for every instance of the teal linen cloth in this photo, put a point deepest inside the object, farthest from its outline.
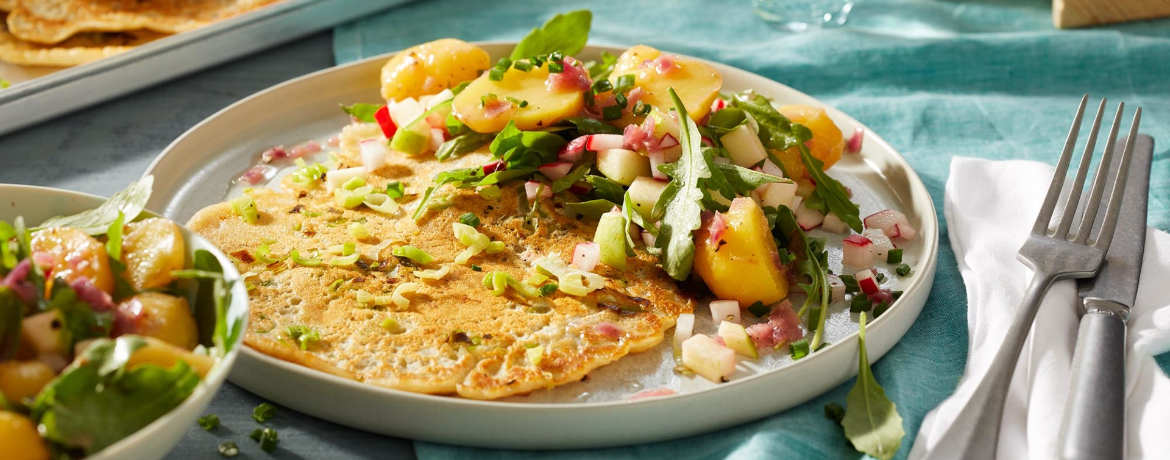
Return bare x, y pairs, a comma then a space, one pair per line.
988, 79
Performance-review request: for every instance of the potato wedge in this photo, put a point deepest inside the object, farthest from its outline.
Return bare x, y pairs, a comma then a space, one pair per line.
432, 67
827, 142
696, 82
486, 106
744, 265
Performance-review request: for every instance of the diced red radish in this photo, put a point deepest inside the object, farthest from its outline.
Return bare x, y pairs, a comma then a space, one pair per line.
374, 153
573, 150
531, 188
494, 166
599, 142
648, 238
608, 329
657, 159
336, 178
744, 146
892, 222
806, 218
881, 243
667, 141
657, 392
718, 105
857, 251
867, 281
684, 327
837, 288
586, 256
438, 136
556, 170
716, 229
708, 358
854, 144
834, 224
386, 122
725, 310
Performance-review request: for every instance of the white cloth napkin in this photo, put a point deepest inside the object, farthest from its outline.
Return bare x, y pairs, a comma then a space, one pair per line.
990, 207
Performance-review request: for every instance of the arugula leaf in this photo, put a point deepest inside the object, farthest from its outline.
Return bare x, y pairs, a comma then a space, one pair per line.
211, 301
96, 221
601, 70
776, 131
461, 144
592, 209
681, 199
871, 420
525, 149
605, 188
9, 247
362, 112
11, 313
811, 267
744, 180
726, 120
587, 125
565, 32
831, 195
97, 401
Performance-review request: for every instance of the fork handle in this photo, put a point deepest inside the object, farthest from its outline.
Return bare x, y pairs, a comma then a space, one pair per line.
1094, 414
974, 433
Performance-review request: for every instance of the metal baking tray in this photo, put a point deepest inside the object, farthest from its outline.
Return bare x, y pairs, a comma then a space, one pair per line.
44, 96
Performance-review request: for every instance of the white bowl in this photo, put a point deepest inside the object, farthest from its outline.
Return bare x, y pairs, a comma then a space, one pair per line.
153, 441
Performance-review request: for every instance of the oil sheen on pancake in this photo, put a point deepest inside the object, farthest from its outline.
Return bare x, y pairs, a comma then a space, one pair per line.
455, 337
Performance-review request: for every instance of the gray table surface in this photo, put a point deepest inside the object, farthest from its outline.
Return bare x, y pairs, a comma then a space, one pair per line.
103, 148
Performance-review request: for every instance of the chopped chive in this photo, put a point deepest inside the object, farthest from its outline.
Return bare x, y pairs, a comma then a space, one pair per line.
860, 303
264, 412
556, 67
229, 449
410, 252
336, 284
503, 63
894, 256
268, 440
256, 434
625, 81
487, 98
548, 289
208, 422
495, 74
519, 103
903, 270
395, 190
881, 308
759, 310
476, 268
556, 56
602, 86
798, 349
850, 284
302, 335
641, 109
523, 66
612, 112
880, 277
896, 295
469, 219
621, 100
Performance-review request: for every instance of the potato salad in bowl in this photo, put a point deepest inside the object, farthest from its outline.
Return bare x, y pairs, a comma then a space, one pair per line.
110, 321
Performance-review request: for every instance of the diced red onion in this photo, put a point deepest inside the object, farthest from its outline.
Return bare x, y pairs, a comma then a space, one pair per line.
17, 281
308, 148
854, 144
782, 327
333, 141
495, 108
532, 187
716, 229
273, 154
97, 299
374, 153
635, 95
573, 78
608, 329
648, 238
651, 393
257, 174
556, 170
882, 295
586, 256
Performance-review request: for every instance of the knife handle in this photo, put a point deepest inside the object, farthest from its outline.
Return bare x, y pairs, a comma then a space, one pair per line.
1094, 414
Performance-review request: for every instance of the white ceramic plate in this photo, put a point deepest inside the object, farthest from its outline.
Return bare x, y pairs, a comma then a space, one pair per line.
152, 442
196, 170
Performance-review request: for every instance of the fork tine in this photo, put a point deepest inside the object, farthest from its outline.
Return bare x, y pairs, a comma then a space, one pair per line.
1041, 225
1093, 204
1074, 197
1105, 237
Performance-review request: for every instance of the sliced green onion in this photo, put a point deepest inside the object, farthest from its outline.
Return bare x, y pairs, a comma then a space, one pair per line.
304, 261
434, 275
860, 303
229, 449
395, 190
894, 256
498, 282
354, 183
336, 284
410, 252
495, 74
523, 66
399, 294
621, 101
571, 280
625, 82
535, 354
358, 230
302, 335
798, 349
350, 199
556, 67
759, 310
265, 411
490, 192
476, 268
851, 285
469, 219
348, 248
264, 254
880, 277
268, 440
308, 175
208, 422
641, 109
344, 261
391, 325
363, 297
245, 207
903, 270
381, 202
536, 279
612, 112
602, 86
548, 289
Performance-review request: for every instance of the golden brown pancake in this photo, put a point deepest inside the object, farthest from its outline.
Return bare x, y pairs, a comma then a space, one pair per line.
53, 21
457, 337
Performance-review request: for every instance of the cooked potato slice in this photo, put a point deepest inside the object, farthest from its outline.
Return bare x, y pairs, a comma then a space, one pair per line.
745, 264
24, 379
827, 142
696, 83
164, 317
74, 255
19, 438
166, 355
485, 107
432, 67
152, 249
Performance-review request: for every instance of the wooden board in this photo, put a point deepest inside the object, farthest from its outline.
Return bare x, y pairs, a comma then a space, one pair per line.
1082, 13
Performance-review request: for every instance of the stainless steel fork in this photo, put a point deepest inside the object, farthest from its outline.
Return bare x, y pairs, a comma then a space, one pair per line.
1053, 254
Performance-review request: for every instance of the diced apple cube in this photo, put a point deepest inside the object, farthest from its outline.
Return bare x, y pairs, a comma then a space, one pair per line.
834, 224
736, 338
622, 166
644, 193
777, 194
744, 146
708, 358
837, 288
808, 219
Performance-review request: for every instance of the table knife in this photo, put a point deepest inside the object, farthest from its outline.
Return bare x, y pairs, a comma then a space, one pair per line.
1093, 426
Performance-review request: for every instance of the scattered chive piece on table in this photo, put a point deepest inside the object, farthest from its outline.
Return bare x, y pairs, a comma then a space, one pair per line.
208, 422
469, 219
903, 270
264, 412
268, 440
229, 449
894, 256
256, 434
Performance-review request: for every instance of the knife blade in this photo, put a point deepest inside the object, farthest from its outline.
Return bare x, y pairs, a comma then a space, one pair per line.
1093, 426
